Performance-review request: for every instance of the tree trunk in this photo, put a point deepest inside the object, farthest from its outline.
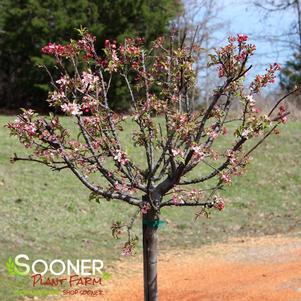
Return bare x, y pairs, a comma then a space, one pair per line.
150, 254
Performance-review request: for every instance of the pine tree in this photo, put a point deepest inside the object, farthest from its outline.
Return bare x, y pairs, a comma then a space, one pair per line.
27, 25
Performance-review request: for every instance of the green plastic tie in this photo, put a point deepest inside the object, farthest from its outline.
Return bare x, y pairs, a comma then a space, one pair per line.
154, 224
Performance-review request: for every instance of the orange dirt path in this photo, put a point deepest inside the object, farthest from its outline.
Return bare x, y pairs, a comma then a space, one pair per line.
259, 269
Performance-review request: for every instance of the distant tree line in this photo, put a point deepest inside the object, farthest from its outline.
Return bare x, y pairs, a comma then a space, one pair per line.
28, 25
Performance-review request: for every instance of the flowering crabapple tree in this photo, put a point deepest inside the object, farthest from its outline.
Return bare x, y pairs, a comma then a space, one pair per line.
175, 139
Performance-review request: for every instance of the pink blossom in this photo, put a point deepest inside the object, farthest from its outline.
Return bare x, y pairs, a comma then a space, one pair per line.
114, 63
213, 134
281, 114
242, 56
86, 42
194, 194
177, 152
123, 187
88, 56
56, 98
276, 66
263, 80
127, 250
231, 156
107, 44
63, 81
159, 42
225, 131
22, 126
121, 157
53, 48
225, 178
30, 128
89, 79
182, 118
221, 71
219, 204
245, 133
283, 119
89, 104
145, 208
242, 38
71, 108
176, 200
282, 109
231, 39
198, 154
58, 49
251, 100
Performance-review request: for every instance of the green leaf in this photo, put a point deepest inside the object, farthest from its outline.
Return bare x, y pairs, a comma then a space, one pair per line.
106, 276
11, 267
94, 197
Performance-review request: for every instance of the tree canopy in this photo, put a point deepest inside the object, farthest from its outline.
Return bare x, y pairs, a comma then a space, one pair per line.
291, 73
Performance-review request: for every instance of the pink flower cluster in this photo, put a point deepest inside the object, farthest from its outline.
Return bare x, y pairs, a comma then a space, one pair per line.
23, 126
198, 153
131, 47
219, 204
56, 98
179, 120
86, 44
71, 49
89, 104
281, 114
145, 208
89, 80
212, 133
263, 80
71, 109
230, 154
121, 157
230, 57
194, 194
252, 102
58, 49
128, 249
225, 178
177, 199
242, 38
109, 44
63, 82
124, 188
177, 152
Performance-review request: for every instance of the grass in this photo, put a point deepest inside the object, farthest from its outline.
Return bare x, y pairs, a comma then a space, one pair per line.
47, 214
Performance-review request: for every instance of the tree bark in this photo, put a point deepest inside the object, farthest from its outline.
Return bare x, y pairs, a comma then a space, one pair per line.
150, 254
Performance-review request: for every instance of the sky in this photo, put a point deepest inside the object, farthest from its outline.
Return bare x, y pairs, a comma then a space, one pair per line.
243, 17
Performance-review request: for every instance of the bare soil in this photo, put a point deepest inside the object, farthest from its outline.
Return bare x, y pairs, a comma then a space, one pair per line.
257, 269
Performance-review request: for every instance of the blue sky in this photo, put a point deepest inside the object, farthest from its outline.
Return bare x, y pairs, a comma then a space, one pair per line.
243, 17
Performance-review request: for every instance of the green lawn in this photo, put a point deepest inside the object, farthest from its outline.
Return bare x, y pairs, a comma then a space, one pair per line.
47, 214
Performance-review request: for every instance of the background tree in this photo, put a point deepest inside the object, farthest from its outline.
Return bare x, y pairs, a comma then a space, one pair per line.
27, 25
174, 139
199, 23
291, 73
290, 39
